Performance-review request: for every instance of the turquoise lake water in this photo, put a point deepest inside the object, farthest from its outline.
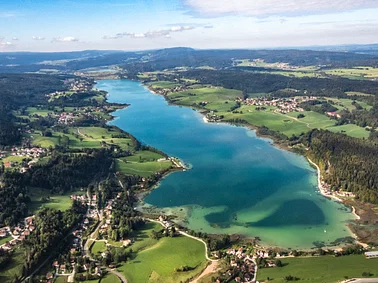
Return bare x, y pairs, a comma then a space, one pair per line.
238, 183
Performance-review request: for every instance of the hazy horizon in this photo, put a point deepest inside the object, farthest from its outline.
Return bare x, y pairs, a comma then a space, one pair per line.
133, 25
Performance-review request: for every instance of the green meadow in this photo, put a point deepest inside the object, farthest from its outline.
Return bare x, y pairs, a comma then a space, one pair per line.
152, 263
110, 278
144, 169
41, 198
80, 138
354, 73
5, 239
217, 98
98, 247
163, 84
320, 269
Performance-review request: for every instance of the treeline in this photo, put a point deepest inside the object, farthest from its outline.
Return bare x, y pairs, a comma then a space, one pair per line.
268, 83
360, 117
62, 173
22, 90
347, 163
51, 226
222, 59
13, 198
65, 172
29, 89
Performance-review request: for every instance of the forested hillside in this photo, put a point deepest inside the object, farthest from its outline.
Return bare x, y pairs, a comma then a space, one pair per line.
347, 163
267, 83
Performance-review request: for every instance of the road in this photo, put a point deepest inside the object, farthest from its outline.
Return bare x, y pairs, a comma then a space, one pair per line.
361, 280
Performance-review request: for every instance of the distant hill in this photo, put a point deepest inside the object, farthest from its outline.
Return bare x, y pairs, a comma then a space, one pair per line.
150, 60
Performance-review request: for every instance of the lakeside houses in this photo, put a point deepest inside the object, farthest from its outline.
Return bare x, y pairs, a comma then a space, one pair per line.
284, 105
242, 266
165, 91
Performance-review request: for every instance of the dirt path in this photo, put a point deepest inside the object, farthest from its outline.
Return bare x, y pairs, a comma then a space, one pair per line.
211, 268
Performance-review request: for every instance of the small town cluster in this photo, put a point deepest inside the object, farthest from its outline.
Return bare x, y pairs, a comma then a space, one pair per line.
32, 154
284, 105
74, 85
15, 235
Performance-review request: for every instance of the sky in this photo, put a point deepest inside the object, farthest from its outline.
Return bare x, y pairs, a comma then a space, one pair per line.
69, 25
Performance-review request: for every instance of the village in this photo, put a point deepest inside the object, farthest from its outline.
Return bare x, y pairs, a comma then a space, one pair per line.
74, 85
284, 105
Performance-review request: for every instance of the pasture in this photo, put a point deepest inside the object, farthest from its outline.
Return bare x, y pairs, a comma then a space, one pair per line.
320, 269
156, 260
41, 198
360, 73
143, 169
216, 98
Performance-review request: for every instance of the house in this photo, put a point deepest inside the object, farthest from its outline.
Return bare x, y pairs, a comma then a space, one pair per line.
63, 268
371, 254
86, 266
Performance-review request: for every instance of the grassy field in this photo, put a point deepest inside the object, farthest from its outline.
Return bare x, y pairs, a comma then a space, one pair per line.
58, 202
144, 155
275, 121
13, 159
354, 73
98, 247
157, 259
144, 169
352, 93
163, 84
350, 130
4, 240
321, 269
35, 110
80, 138
110, 278
142, 237
14, 267
347, 103
217, 98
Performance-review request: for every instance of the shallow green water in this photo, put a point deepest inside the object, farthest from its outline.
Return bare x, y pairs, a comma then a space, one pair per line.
238, 183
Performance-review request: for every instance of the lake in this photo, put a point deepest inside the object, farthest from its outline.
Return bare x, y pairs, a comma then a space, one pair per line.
238, 183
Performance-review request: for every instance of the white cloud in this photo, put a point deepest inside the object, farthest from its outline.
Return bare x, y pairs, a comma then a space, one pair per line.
38, 38
277, 7
15, 38
151, 34
5, 43
65, 39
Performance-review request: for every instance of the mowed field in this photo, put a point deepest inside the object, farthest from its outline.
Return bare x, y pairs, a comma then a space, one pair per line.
144, 169
217, 98
58, 202
83, 137
156, 260
163, 84
143, 163
321, 269
355, 73
222, 100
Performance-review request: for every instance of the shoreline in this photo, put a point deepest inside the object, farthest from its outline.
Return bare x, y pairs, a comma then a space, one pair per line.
273, 141
323, 192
